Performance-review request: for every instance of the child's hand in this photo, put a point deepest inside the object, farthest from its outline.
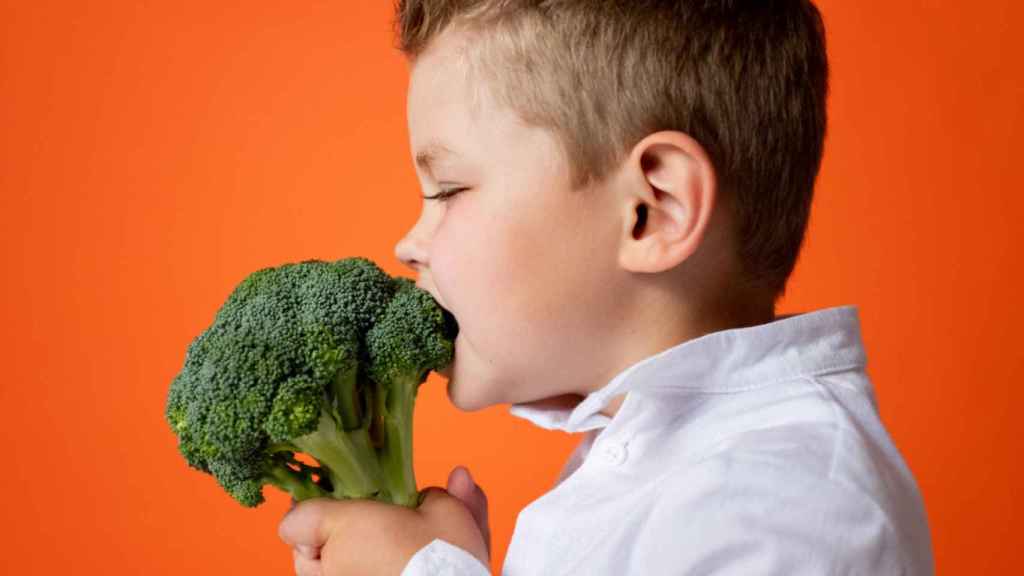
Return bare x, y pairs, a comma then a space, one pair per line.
356, 537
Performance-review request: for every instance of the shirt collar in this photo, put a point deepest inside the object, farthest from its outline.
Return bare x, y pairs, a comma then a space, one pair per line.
790, 347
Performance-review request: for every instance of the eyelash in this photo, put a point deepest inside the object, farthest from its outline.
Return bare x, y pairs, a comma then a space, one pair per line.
444, 195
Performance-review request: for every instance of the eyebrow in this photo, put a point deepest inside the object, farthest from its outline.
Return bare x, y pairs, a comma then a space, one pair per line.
431, 154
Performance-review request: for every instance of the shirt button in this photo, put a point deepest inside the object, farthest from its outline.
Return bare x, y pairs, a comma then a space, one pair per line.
614, 453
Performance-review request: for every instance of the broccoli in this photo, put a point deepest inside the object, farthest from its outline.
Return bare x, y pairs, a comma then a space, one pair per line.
316, 358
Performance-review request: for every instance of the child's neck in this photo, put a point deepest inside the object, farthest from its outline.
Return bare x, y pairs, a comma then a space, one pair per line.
741, 314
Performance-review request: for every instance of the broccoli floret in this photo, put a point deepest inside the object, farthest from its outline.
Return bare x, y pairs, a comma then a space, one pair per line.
412, 337
315, 358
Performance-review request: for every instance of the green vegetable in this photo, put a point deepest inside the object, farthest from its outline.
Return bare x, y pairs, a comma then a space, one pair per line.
318, 358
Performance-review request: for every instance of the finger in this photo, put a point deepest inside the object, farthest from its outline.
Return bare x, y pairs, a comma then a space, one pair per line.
460, 483
303, 525
432, 496
455, 522
307, 551
462, 486
305, 566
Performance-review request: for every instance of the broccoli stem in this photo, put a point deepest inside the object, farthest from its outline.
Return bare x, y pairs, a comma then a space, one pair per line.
345, 390
348, 458
299, 484
395, 407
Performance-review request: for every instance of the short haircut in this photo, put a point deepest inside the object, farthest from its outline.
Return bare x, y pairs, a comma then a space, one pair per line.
747, 79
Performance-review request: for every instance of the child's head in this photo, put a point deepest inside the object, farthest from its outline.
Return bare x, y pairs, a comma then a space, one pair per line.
634, 173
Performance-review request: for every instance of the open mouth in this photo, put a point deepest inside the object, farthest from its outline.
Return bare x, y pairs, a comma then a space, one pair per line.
451, 326
451, 331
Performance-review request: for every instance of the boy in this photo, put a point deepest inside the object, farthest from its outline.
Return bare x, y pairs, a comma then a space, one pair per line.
624, 186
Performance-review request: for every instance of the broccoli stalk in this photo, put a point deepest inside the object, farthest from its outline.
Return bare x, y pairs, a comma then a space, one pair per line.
294, 477
395, 410
323, 359
350, 464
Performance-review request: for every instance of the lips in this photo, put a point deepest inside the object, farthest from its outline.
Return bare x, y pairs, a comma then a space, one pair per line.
451, 331
451, 325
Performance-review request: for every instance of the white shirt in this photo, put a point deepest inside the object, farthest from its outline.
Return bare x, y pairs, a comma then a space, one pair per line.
747, 451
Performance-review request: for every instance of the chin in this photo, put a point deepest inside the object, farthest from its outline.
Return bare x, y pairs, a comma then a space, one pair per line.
463, 400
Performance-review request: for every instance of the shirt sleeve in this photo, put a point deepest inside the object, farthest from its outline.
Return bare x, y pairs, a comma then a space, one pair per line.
439, 558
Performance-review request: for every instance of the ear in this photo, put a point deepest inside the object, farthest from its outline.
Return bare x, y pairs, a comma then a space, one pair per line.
668, 197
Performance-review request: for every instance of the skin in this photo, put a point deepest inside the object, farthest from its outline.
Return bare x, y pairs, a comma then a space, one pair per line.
555, 291
365, 537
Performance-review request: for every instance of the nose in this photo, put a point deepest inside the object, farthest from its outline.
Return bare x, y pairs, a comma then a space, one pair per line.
411, 250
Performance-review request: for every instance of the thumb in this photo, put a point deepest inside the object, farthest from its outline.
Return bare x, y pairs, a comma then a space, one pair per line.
462, 486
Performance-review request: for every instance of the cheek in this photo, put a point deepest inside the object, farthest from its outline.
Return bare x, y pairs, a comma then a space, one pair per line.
489, 278
468, 267
514, 273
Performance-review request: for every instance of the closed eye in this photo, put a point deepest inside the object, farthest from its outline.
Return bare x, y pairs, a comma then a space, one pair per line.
445, 194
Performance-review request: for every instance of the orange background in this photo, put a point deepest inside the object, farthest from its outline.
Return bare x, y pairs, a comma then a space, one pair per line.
154, 153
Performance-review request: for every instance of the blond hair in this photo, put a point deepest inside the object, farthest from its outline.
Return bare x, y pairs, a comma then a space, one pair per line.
747, 79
